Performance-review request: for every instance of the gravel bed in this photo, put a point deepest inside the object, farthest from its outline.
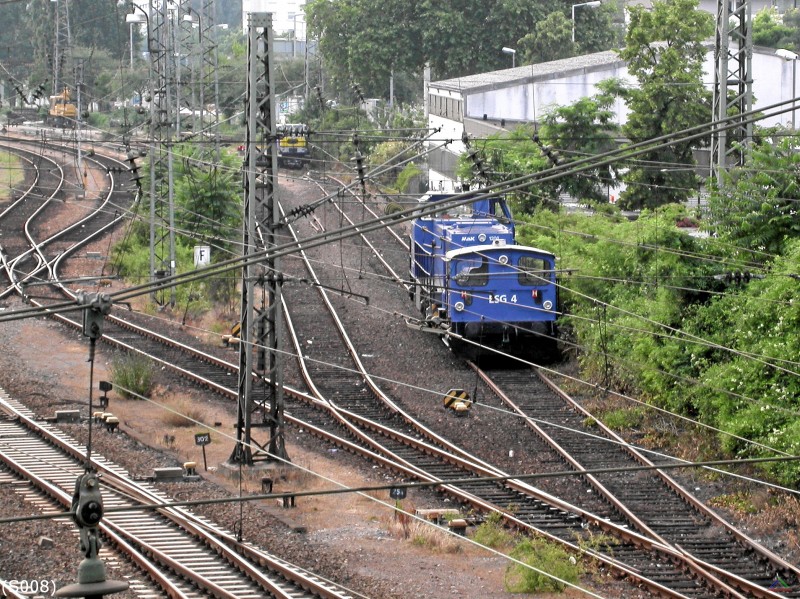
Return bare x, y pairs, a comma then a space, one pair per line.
361, 551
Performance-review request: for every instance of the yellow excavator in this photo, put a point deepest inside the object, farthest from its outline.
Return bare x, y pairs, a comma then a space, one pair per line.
62, 113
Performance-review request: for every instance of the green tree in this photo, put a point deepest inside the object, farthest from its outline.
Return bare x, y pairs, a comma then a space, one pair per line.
550, 40
584, 129
755, 207
791, 19
768, 29
364, 40
207, 195
16, 46
665, 51
567, 133
552, 36
598, 28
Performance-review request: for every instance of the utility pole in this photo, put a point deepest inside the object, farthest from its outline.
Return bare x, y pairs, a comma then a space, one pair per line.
733, 61
187, 19
79, 124
162, 212
260, 328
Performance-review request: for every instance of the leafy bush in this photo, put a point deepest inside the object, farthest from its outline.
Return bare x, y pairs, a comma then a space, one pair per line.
651, 320
541, 558
405, 177
491, 533
132, 373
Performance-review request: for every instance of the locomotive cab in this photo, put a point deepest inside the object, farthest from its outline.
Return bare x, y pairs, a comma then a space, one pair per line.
502, 294
450, 228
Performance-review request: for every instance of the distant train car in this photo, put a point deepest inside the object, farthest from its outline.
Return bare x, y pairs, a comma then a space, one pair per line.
473, 282
293, 147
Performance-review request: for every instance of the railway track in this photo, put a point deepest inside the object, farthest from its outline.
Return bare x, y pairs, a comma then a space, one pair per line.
352, 409
186, 555
654, 504
651, 501
207, 562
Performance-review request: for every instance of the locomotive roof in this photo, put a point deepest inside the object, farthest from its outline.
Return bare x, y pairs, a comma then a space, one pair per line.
485, 249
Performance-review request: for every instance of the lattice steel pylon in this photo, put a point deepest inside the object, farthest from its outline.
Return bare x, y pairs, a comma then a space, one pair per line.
733, 61
184, 49
62, 46
162, 211
260, 327
209, 78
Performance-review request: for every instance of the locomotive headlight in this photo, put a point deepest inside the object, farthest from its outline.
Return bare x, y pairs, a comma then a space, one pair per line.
482, 237
503, 259
459, 307
548, 305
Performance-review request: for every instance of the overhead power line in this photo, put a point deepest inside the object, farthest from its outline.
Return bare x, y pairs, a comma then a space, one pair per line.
456, 200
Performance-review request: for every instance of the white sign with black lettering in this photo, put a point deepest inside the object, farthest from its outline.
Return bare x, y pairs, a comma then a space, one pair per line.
202, 255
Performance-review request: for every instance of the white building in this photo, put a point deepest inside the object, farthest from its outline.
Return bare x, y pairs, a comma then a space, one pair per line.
488, 103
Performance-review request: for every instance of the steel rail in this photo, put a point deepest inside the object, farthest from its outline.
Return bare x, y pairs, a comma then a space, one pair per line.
222, 543
226, 545
472, 464
641, 458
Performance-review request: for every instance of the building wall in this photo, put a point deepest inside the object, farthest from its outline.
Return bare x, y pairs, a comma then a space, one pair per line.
502, 107
529, 102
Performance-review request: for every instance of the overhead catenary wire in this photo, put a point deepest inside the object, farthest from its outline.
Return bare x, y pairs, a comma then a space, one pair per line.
454, 201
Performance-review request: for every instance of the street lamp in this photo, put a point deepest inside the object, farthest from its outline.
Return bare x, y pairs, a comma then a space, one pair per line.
513, 55
789, 55
593, 4
132, 19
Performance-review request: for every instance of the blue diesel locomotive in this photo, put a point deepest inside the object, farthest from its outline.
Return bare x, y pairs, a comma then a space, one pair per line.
472, 282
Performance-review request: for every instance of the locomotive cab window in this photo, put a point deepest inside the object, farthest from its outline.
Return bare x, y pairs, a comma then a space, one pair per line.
534, 271
473, 272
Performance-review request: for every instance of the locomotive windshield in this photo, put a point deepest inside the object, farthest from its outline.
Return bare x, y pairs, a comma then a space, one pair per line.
473, 272
463, 211
534, 271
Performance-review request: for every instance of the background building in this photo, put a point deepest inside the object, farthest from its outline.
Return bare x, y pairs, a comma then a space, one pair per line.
488, 103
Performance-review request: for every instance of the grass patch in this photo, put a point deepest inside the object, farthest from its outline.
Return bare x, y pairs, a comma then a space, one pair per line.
132, 374
423, 534
11, 174
739, 503
624, 418
183, 413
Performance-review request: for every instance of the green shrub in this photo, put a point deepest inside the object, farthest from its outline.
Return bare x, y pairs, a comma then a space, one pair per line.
546, 557
410, 171
132, 372
492, 534
623, 418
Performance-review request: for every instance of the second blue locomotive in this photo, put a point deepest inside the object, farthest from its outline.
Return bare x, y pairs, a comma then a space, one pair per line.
475, 285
